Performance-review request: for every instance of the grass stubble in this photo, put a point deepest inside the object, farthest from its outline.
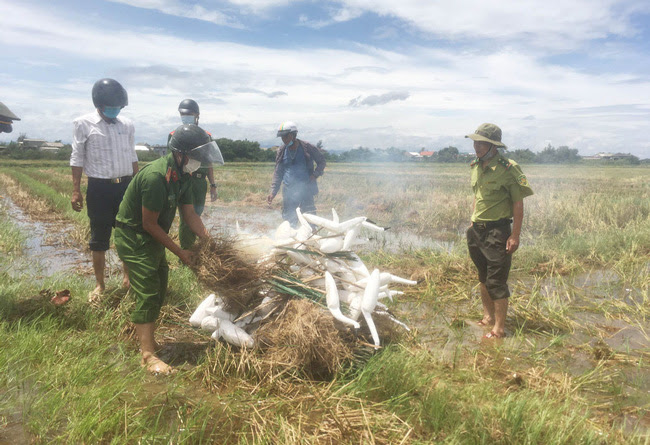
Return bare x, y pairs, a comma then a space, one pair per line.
574, 369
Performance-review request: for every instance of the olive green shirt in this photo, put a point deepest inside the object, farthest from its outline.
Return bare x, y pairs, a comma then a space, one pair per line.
160, 187
496, 188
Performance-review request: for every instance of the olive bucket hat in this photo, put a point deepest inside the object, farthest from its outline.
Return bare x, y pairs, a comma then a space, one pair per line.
487, 133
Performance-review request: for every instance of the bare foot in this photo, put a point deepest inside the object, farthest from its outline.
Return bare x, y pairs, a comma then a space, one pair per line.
495, 335
96, 295
486, 321
156, 366
126, 284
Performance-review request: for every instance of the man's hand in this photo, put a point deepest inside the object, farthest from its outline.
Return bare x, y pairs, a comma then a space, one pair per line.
213, 194
512, 244
77, 201
269, 199
186, 257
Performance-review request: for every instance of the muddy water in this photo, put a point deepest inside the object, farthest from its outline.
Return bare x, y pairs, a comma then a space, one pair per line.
44, 253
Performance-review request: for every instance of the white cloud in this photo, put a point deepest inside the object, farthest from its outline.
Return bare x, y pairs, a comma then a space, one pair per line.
551, 23
183, 9
244, 92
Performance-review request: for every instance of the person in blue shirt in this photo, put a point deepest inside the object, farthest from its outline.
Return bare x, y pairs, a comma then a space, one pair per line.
296, 172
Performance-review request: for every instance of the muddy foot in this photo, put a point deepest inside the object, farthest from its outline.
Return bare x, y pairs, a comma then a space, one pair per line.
156, 366
486, 321
95, 296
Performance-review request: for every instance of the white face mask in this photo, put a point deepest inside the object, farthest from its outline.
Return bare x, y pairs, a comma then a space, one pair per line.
188, 119
191, 166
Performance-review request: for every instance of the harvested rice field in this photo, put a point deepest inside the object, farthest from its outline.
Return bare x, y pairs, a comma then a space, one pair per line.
574, 367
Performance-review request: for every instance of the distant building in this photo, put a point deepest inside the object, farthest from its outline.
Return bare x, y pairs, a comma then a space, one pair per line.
412, 156
39, 144
608, 156
160, 150
427, 154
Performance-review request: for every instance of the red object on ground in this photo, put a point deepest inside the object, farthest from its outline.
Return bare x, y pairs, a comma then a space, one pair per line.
61, 297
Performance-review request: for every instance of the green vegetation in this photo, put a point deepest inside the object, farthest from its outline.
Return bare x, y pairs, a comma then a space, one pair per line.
573, 370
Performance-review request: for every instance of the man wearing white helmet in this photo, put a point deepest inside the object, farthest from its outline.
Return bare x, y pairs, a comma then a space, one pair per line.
294, 169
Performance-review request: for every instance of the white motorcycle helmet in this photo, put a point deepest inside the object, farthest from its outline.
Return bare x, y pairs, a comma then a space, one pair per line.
286, 128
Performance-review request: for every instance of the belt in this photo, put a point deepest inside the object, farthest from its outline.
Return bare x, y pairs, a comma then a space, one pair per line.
112, 180
491, 224
122, 225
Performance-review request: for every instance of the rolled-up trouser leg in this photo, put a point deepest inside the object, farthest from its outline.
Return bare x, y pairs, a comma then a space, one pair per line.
487, 248
148, 272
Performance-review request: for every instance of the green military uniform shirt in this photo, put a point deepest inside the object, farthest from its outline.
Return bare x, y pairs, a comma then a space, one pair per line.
496, 188
160, 187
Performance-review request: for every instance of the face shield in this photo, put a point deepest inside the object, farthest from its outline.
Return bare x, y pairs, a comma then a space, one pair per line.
207, 154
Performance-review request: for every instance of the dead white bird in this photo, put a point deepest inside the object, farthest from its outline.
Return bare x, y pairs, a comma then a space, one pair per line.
219, 312
332, 266
331, 245
332, 298
335, 216
234, 335
371, 226
351, 237
358, 267
322, 222
386, 278
355, 305
369, 302
200, 312
284, 231
210, 323
305, 230
299, 258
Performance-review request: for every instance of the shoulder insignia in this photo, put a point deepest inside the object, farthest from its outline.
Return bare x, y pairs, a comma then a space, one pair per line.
474, 162
507, 164
522, 181
168, 175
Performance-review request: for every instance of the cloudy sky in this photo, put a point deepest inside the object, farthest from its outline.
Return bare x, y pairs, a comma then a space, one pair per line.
372, 73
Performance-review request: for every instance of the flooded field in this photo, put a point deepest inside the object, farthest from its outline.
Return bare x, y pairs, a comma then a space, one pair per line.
574, 368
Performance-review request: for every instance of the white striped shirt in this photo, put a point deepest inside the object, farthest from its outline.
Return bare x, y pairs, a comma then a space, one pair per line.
103, 150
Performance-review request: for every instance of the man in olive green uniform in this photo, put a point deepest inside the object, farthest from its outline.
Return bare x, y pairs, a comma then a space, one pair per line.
499, 189
7, 118
142, 225
190, 113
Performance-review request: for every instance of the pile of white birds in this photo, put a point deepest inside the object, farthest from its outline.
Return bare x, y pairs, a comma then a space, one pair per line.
312, 253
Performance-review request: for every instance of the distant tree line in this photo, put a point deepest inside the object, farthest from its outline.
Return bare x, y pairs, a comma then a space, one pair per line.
250, 151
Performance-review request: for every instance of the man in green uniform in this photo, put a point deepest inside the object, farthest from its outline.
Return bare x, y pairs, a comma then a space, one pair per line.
189, 111
142, 225
499, 189
6, 119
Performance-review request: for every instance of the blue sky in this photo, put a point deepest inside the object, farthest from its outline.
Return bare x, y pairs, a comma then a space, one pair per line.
372, 73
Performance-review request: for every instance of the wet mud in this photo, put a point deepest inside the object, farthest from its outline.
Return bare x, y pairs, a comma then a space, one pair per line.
46, 251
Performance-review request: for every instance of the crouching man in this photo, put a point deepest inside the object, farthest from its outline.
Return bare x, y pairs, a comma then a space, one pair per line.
142, 226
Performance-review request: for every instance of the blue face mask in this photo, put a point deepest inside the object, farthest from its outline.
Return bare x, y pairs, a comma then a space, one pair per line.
111, 112
290, 144
188, 119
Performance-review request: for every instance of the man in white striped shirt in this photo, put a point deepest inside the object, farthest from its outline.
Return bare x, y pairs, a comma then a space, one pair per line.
103, 147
